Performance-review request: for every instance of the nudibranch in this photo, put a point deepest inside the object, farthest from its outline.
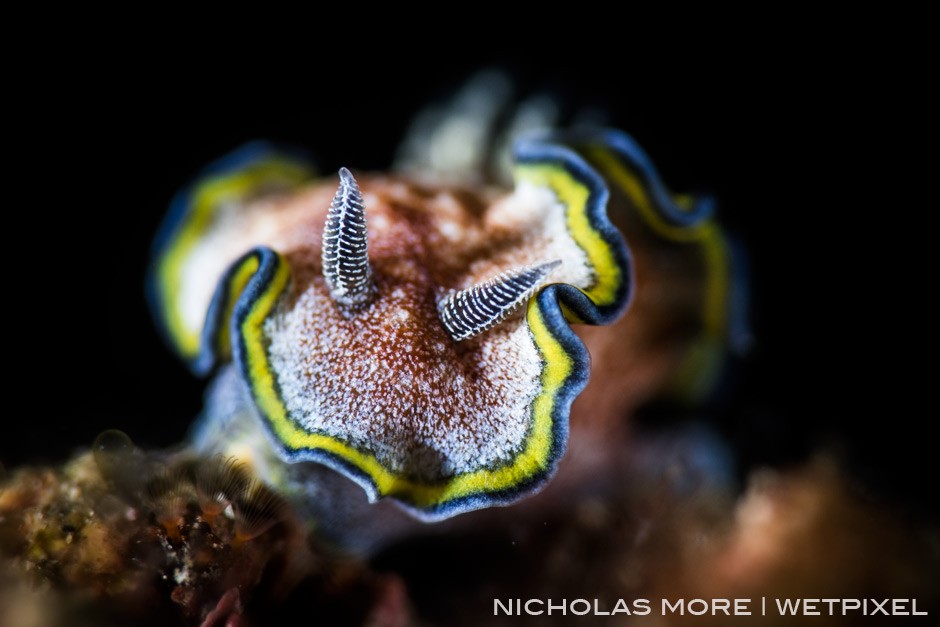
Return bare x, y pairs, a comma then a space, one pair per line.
416, 336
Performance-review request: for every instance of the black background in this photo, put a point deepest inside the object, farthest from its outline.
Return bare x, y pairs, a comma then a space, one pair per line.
796, 147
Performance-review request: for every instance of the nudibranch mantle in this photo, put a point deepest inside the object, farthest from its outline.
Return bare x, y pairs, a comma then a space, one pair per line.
385, 395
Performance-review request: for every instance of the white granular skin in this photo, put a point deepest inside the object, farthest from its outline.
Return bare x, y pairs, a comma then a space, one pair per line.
236, 228
204, 266
416, 403
388, 379
539, 220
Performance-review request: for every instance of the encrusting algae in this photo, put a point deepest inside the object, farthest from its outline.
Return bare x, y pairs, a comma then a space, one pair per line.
119, 537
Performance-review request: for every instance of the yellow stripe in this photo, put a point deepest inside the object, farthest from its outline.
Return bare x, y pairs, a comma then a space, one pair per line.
573, 194
235, 287
715, 254
207, 197
531, 461
570, 315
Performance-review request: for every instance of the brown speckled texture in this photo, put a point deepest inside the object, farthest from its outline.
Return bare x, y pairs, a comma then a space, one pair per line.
74, 551
388, 379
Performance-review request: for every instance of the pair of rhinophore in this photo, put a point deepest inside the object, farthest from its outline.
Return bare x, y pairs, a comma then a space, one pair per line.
463, 313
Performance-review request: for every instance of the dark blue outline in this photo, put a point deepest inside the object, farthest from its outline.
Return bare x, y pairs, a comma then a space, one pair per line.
180, 205
637, 161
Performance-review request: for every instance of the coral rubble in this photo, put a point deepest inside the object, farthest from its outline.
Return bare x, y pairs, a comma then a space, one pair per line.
78, 547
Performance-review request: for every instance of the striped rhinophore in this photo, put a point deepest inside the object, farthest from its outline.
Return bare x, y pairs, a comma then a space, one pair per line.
390, 353
346, 246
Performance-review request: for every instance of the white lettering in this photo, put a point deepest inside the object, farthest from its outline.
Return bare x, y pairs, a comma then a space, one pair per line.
587, 607
669, 607
641, 607
563, 607
701, 603
699, 607
598, 611
879, 606
531, 612
498, 605
621, 607
722, 605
